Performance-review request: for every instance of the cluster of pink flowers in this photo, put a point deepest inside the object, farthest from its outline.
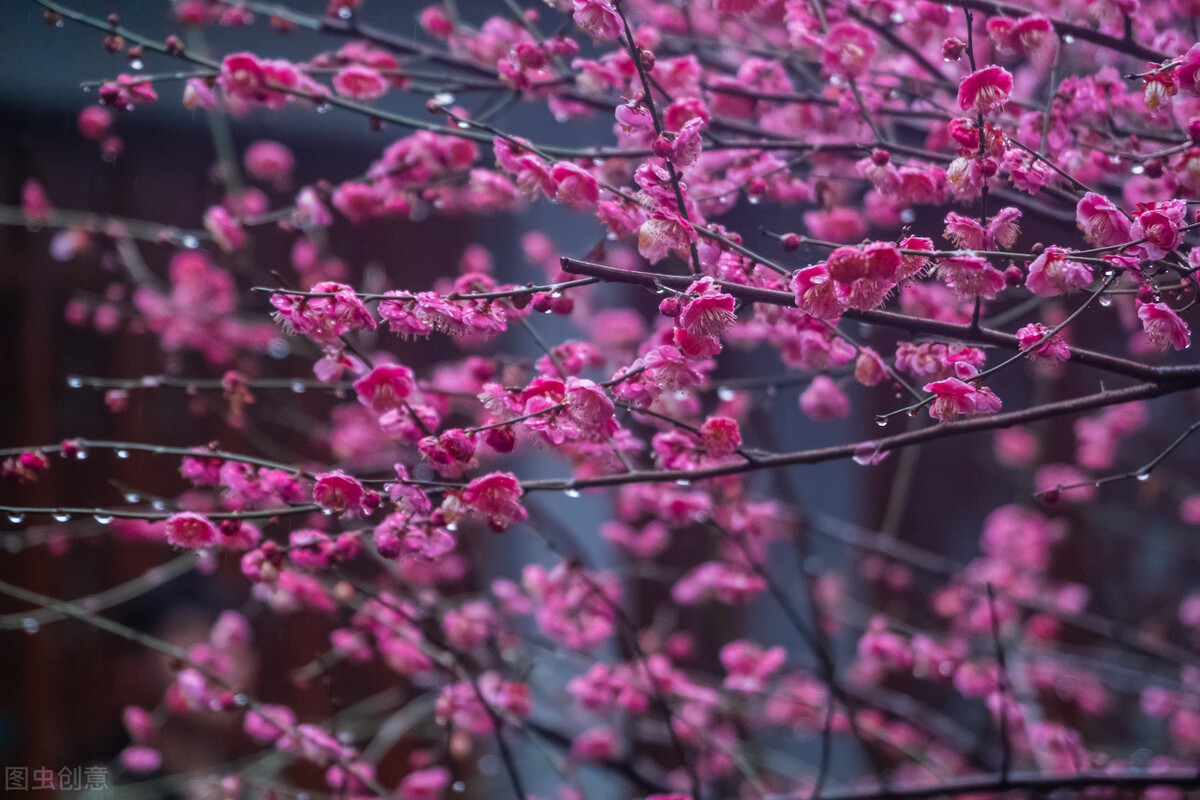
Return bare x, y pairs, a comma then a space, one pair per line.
198, 313
572, 605
861, 125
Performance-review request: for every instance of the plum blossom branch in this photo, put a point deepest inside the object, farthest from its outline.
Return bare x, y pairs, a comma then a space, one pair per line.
136, 587
916, 325
1141, 473
887, 444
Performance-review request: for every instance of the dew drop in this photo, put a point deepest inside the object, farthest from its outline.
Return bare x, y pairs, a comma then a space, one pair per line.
103, 519
1143, 476
443, 98
897, 18
753, 199
459, 786
190, 242
136, 64
683, 482
572, 493
158, 505
298, 387
240, 699
279, 348
30, 625
452, 527
322, 108
60, 516
132, 497
344, 13
881, 421
75, 382
1069, 39
1104, 300
725, 394
1137, 169
81, 454
122, 454
463, 124
87, 90
908, 216
15, 517
327, 512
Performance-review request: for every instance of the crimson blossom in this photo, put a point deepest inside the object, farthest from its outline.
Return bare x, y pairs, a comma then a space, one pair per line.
691, 400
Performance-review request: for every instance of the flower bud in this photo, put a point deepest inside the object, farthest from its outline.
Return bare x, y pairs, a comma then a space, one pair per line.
952, 48
542, 303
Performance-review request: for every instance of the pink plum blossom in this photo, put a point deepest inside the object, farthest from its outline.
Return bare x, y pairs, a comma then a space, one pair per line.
1163, 326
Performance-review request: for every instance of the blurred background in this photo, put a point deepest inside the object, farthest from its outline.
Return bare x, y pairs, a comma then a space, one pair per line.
63, 684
